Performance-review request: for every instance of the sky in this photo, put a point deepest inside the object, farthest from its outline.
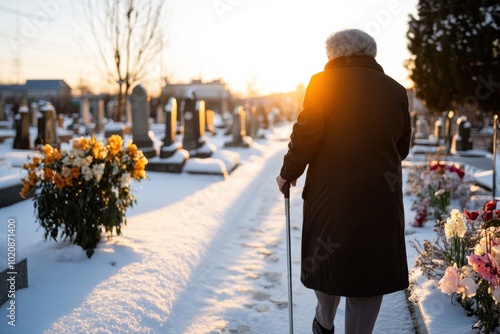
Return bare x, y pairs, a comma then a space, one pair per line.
263, 45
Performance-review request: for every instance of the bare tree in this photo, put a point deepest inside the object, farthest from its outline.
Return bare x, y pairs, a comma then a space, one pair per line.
129, 35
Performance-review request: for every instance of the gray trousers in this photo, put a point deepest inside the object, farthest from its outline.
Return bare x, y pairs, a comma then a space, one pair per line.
360, 313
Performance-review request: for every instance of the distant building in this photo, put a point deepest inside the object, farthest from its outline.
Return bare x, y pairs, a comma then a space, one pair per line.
215, 93
37, 90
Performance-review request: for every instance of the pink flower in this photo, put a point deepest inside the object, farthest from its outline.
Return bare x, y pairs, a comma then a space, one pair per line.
486, 266
471, 215
449, 282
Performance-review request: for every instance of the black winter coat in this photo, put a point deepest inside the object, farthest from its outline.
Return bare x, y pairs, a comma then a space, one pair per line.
352, 133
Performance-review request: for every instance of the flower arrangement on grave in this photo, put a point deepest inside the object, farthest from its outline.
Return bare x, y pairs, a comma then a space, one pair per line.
81, 191
465, 258
433, 187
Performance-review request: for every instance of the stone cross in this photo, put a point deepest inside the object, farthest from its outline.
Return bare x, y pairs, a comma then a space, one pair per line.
140, 121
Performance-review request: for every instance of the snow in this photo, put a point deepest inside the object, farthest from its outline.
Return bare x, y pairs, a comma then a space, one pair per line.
200, 254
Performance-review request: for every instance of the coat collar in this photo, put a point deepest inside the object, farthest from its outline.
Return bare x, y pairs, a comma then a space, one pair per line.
354, 61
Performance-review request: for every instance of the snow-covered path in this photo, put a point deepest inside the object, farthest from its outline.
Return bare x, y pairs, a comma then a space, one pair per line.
199, 255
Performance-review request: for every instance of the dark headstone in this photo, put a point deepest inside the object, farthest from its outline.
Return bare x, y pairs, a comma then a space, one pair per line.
463, 140
191, 125
12, 280
140, 121
169, 147
22, 122
47, 129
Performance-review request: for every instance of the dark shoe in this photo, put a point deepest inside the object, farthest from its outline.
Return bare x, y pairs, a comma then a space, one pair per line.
318, 329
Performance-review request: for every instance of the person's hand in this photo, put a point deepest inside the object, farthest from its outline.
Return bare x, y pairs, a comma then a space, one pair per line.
281, 183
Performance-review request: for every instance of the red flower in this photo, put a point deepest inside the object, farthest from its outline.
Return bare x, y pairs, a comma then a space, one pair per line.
487, 216
491, 205
472, 215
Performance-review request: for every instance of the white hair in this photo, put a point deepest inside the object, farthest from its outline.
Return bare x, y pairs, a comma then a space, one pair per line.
350, 42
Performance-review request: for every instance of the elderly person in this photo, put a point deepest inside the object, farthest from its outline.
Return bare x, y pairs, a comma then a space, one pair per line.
352, 134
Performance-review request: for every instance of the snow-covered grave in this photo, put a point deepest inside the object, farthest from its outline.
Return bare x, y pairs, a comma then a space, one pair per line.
200, 254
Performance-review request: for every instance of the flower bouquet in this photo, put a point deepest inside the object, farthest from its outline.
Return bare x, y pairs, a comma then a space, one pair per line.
433, 186
468, 252
84, 189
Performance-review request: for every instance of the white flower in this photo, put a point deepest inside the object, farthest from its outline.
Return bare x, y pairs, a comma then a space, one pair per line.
80, 162
98, 170
125, 180
467, 287
439, 192
116, 170
455, 225
65, 171
67, 160
496, 293
87, 173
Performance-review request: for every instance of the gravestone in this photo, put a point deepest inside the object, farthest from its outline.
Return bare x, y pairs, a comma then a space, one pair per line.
22, 122
128, 112
3, 116
34, 114
15, 278
439, 130
254, 122
191, 125
47, 133
170, 123
238, 130
172, 155
85, 110
462, 139
160, 114
75, 124
140, 121
99, 116
209, 120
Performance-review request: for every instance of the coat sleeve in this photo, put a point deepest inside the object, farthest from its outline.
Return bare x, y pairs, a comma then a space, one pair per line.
403, 144
307, 133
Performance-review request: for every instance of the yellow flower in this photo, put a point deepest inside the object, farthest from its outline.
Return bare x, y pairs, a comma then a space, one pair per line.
47, 149
75, 172
33, 178
25, 190
59, 180
84, 143
34, 163
57, 154
132, 149
99, 151
115, 143
48, 173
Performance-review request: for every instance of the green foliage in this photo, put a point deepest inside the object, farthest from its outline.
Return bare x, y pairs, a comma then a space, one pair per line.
455, 47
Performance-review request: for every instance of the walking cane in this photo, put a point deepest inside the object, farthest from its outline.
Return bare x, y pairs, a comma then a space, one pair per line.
286, 192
